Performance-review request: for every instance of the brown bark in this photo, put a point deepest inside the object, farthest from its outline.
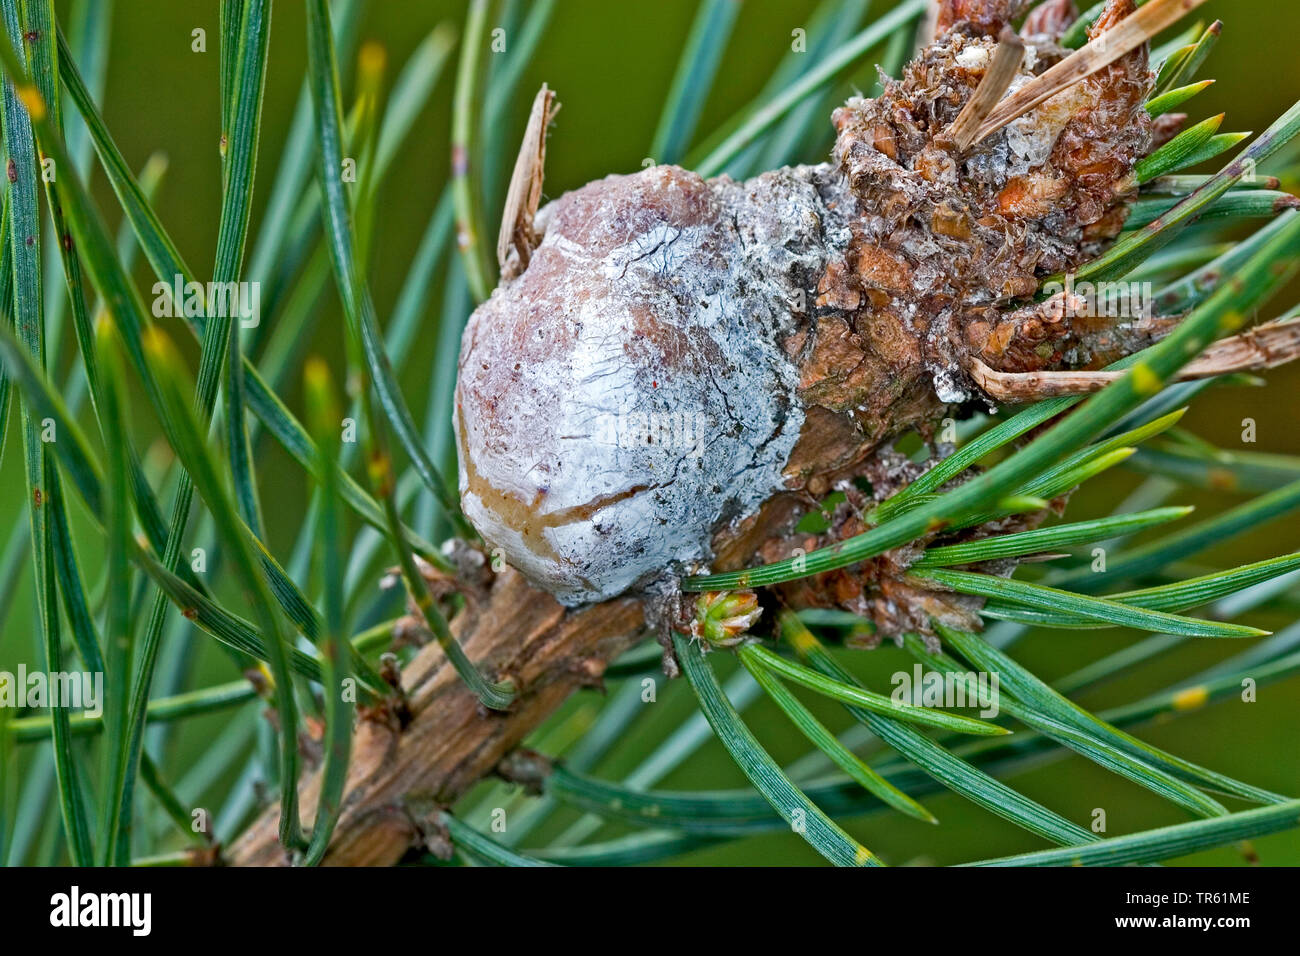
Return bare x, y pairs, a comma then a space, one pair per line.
451, 742
875, 358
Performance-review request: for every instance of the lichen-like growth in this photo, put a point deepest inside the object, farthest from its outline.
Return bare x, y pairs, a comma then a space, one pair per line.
627, 392
679, 352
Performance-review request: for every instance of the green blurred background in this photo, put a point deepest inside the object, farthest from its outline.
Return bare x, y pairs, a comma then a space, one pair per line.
612, 64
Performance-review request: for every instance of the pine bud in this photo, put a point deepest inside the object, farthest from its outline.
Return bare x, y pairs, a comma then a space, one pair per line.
723, 618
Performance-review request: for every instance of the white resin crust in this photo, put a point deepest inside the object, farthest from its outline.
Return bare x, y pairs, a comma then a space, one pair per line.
626, 395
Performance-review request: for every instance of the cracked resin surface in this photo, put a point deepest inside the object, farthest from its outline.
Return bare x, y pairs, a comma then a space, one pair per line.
685, 366
619, 405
